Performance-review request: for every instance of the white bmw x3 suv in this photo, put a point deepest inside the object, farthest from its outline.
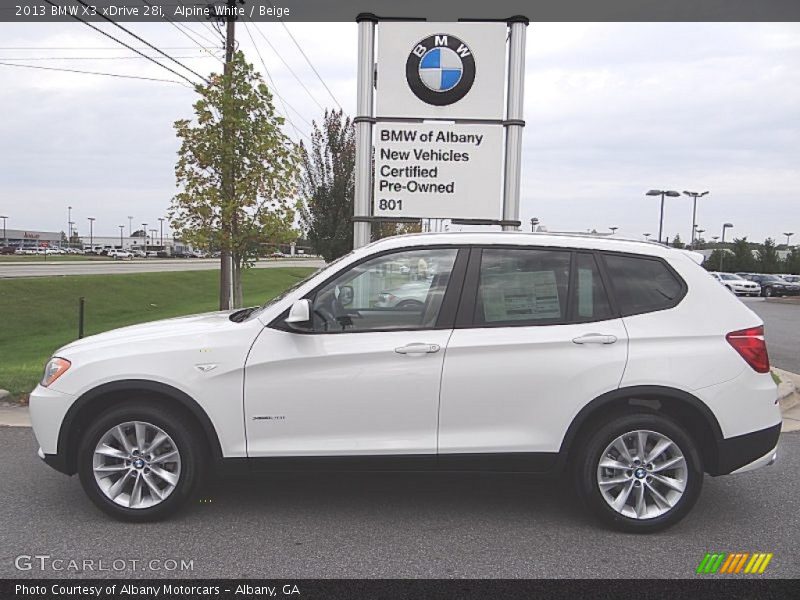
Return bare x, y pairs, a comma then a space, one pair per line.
622, 363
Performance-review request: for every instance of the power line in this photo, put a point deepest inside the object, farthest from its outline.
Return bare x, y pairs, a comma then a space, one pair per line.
266, 70
90, 48
288, 67
108, 35
308, 60
5, 64
181, 29
90, 57
130, 33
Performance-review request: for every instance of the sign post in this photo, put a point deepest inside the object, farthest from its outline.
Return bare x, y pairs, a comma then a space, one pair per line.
442, 107
363, 122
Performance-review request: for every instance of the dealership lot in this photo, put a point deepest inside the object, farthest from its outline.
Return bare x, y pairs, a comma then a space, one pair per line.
782, 329
393, 525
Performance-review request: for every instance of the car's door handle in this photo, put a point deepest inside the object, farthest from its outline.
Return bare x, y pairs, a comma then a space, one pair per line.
417, 349
595, 338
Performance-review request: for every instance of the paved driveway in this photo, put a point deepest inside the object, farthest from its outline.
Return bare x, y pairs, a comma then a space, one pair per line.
43, 269
393, 525
782, 328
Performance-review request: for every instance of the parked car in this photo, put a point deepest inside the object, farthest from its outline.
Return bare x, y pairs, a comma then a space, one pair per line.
8, 250
791, 278
737, 284
772, 285
619, 362
408, 295
119, 254
139, 253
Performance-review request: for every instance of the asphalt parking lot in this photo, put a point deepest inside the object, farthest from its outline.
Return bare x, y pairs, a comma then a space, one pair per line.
782, 330
392, 525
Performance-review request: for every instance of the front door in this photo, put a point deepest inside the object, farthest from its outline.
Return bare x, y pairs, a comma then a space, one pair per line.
364, 377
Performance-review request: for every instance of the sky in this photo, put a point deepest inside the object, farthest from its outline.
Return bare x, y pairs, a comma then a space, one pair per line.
612, 110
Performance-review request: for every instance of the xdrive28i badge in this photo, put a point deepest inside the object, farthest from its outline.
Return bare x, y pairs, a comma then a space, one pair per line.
440, 69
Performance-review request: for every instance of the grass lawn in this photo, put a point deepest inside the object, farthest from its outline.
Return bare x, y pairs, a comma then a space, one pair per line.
38, 315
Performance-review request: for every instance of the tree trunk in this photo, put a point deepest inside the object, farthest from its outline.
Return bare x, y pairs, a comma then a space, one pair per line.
237, 281
224, 280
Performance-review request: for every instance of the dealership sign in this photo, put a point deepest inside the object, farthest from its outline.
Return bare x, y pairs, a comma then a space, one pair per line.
439, 123
441, 70
437, 170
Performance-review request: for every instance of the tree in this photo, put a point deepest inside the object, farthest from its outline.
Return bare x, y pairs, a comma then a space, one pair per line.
768, 259
742, 259
385, 229
327, 185
677, 243
792, 262
712, 262
237, 137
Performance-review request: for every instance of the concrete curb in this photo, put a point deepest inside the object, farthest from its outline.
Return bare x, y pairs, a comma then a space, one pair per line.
14, 416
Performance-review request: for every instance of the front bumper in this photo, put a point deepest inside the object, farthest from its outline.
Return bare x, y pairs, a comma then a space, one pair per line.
747, 452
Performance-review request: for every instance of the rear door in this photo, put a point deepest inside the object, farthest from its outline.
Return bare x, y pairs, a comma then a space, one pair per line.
536, 338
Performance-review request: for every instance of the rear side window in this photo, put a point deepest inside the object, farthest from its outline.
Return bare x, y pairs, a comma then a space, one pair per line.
642, 284
522, 286
591, 302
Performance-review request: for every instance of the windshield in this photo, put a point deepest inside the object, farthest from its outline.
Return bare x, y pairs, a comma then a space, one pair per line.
294, 286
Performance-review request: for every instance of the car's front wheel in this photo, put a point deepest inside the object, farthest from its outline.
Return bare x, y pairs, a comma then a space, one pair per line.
639, 472
140, 462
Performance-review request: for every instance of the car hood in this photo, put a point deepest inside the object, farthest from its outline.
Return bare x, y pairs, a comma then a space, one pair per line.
200, 324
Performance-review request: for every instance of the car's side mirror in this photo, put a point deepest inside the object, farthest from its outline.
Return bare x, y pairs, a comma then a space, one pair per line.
300, 314
346, 295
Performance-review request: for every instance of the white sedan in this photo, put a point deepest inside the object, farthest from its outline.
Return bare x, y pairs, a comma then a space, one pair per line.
738, 285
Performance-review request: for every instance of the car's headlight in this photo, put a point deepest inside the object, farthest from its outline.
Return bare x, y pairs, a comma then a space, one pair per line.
54, 369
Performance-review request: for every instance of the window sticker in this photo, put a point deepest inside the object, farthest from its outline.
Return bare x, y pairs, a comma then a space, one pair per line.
520, 296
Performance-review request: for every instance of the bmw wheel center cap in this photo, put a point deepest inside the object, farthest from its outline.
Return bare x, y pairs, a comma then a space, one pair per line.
440, 69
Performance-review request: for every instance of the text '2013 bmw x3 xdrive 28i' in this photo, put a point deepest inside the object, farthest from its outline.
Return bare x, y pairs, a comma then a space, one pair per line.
623, 363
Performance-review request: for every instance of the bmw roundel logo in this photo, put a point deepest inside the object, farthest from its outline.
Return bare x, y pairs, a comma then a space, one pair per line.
440, 69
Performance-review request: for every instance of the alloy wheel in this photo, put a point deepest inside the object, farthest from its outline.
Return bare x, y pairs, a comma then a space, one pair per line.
136, 464
642, 474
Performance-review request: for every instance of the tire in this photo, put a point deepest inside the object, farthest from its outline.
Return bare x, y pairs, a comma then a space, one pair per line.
175, 477
408, 304
767, 292
656, 514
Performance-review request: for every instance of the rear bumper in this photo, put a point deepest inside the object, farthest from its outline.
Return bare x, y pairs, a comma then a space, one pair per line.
747, 452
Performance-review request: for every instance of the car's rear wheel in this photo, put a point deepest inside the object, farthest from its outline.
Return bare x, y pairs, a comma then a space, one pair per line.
140, 462
639, 472
767, 292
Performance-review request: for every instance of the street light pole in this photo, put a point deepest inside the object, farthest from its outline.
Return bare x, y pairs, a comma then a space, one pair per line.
788, 234
534, 223
647, 236
121, 227
5, 237
144, 231
613, 230
69, 224
71, 229
130, 226
722, 249
91, 233
699, 236
161, 224
695, 196
662, 193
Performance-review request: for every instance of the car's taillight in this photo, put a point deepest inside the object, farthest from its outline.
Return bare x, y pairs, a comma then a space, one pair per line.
752, 347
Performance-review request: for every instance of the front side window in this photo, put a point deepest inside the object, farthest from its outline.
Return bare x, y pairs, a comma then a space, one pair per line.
642, 284
399, 291
522, 286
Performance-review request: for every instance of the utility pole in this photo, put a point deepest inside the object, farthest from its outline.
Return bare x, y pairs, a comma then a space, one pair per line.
226, 259
161, 224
